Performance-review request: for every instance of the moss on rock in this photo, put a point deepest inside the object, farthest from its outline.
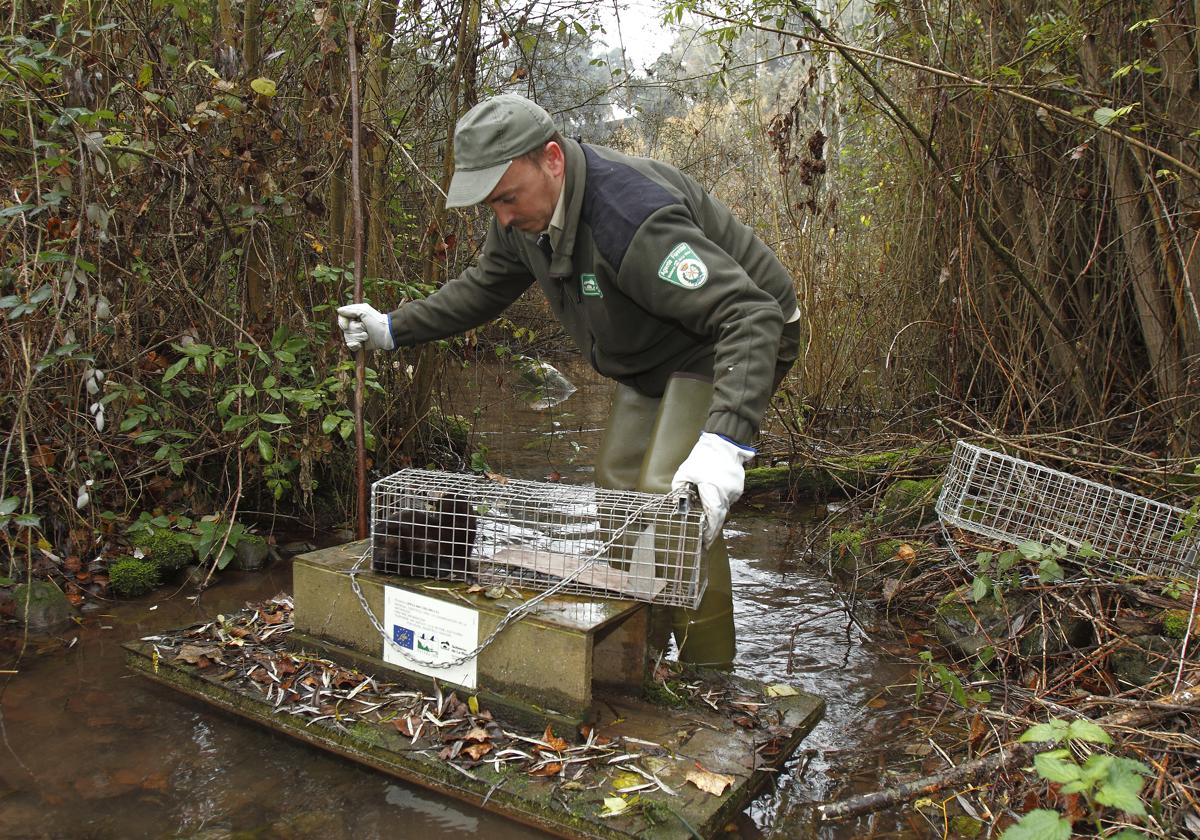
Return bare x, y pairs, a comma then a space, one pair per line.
41, 606
1175, 624
133, 576
851, 472
169, 550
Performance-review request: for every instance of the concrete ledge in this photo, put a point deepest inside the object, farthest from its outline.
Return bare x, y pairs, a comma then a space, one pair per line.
680, 740
548, 660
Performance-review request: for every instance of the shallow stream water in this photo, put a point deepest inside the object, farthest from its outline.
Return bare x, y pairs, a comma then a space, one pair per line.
88, 750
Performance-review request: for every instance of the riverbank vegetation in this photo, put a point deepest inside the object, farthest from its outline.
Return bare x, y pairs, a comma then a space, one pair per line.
992, 213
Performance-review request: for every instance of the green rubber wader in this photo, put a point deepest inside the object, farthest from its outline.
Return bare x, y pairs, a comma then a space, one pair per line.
645, 442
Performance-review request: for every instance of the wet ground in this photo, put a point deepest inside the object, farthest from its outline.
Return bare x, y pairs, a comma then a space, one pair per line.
90, 751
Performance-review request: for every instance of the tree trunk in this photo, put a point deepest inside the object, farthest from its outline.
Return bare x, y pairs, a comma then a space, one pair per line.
1152, 300
251, 35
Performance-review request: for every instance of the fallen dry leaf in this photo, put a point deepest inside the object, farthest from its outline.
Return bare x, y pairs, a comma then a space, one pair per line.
477, 751
552, 769
405, 726
890, 587
193, 654
553, 741
626, 779
477, 734
614, 805
709, 782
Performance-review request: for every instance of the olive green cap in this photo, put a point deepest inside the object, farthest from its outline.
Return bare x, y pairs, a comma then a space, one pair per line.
488, 138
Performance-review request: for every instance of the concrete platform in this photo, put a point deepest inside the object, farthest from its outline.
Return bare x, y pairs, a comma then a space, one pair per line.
679, 741
550, 662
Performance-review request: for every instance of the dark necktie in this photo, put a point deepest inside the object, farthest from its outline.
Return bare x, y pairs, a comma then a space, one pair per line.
543, 242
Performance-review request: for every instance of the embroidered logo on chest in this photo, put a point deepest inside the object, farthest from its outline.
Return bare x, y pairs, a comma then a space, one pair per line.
682, 267
589, 286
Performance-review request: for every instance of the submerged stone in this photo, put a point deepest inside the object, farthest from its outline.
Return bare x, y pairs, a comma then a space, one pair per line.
251, 553
41, 606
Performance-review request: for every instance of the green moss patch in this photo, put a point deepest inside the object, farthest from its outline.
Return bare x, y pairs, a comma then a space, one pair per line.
133, 576
167, 549
1175, 624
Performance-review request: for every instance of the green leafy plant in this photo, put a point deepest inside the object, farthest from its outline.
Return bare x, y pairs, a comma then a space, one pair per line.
479, 461
218, 540
948, 681
1000, 571
1102, 781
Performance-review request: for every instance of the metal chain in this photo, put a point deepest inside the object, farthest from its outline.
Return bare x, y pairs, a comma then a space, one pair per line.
517, 612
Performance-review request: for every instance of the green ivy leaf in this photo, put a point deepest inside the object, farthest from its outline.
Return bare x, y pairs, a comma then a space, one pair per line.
1049, 571
1042, 824
1123, 787
277, 419
236, 422
174, 369
1056, 766
1030, 550
1053, 730
8, 505
1085, 730
980, 587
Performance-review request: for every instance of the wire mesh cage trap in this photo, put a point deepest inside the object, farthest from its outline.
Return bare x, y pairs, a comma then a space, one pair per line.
538, 535
1013, 500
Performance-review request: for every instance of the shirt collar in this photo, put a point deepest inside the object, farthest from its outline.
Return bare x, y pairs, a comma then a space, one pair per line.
559, 218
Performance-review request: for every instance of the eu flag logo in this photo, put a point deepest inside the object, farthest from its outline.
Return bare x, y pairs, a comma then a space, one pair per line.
402, 636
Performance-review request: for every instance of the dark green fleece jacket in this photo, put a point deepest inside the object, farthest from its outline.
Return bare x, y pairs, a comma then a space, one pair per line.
651, 276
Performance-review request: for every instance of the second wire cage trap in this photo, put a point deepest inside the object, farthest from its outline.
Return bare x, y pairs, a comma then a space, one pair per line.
1013, 500
537, 535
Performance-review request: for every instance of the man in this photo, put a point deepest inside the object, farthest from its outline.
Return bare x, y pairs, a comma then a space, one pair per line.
661, 288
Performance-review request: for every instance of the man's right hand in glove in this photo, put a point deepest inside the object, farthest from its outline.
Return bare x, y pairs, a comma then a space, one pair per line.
364, 326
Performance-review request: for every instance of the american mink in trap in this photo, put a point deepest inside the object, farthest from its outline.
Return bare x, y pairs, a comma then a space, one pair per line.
433, 541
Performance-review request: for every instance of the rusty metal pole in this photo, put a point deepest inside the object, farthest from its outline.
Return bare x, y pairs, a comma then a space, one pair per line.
360, 381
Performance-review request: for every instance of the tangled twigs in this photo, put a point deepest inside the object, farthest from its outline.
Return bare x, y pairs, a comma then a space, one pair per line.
1010, 755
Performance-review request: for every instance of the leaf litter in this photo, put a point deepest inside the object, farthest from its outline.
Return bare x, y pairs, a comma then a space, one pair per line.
248, 651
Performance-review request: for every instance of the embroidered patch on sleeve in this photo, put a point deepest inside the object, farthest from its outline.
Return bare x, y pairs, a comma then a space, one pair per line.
589, 286
683, 267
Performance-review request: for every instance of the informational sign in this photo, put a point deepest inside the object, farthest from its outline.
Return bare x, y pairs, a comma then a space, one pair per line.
425, 631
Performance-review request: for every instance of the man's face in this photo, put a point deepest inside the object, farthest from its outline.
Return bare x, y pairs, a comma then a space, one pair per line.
527, 194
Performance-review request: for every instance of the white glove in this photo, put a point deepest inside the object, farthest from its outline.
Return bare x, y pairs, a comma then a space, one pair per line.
715, 467
364, 326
